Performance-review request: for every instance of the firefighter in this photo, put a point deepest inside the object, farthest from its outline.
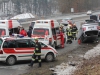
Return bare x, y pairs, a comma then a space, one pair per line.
62, 27
69, 34
37, 53
62, 37
74, 31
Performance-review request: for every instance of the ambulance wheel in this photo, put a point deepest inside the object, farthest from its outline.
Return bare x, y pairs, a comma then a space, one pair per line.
11, 60
49, 57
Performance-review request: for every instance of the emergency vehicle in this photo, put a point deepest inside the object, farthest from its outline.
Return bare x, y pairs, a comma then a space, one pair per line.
8, 26
48, 32
13, 49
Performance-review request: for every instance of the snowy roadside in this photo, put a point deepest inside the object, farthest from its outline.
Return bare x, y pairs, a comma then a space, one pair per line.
70, 67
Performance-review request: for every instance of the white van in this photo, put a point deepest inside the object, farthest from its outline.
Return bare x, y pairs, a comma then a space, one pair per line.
7, 26
47, 31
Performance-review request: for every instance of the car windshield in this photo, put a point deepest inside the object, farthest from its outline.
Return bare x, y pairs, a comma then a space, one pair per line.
2, 32
1, 42
41, 31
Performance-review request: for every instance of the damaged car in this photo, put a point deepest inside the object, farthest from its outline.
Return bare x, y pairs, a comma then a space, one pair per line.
88, 31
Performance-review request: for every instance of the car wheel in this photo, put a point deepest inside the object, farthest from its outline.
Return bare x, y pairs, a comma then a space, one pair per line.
11, 60
49, 57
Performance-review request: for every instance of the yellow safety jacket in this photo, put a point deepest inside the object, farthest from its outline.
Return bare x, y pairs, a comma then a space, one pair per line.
69, 32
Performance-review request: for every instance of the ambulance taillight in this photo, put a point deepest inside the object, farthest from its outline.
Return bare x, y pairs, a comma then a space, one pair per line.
1, 52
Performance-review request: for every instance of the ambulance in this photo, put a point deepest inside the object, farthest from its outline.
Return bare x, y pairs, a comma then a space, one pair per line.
8, 26
48, 32
13, 49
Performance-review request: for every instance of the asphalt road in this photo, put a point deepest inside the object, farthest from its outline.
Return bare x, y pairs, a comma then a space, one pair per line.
22, 67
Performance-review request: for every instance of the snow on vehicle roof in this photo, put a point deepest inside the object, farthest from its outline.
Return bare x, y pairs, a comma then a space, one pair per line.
23, 16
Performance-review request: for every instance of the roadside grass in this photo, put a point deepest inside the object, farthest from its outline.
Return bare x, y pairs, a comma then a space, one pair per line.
89, 67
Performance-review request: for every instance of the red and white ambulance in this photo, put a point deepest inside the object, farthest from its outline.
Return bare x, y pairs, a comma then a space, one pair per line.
15, 49
7, 26
48, 32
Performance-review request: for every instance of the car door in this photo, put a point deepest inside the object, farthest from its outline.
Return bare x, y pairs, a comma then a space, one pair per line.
23, 49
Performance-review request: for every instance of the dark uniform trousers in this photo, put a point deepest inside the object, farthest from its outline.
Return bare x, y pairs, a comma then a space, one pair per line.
34, 58
74, 31
37, 54
74, 36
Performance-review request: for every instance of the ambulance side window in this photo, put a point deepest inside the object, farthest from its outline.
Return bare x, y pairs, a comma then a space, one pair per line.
23, 43
32, 43
42, 45
5, 45
9, 44
13, 30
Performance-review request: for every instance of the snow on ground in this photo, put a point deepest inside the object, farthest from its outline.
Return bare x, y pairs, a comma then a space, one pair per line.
63, 69
93, 52
69, 69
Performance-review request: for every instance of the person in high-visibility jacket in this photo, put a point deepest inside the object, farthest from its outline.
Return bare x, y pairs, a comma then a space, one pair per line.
37, 53
74, 32
69, 35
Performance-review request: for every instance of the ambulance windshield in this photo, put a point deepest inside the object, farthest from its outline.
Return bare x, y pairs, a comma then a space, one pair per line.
2, 32
41, 31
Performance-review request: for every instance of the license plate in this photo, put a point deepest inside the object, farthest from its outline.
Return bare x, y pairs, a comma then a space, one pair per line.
91, 27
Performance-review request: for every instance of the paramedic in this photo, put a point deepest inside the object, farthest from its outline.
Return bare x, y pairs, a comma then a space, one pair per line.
23, 32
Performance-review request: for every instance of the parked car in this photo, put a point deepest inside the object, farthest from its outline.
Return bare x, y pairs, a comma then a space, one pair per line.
14, 49
89, 12
65, 21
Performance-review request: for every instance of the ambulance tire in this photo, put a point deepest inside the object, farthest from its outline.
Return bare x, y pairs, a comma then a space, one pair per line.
11, 60
49, 57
